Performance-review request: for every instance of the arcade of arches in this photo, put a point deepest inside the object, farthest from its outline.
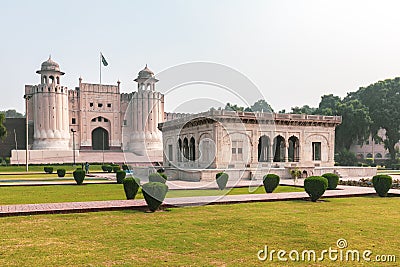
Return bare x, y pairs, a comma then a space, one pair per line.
215, 140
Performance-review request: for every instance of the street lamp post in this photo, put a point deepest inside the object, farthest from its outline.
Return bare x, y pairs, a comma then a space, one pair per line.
27, 97
73, 144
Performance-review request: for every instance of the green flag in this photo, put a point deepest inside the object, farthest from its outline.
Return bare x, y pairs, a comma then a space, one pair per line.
103, 60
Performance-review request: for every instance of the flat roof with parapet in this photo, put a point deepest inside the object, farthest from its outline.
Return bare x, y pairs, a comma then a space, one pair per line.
253, 117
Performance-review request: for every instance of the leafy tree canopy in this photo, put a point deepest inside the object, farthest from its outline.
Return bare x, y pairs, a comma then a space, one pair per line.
12, 113
3, 130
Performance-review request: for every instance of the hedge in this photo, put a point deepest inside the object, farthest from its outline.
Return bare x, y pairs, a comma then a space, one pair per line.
270, 181
154, 193
333, 180
61, 172
158, 177
315, 187
48, 170
131, 187
382, 184
79, 176
120, 175
222, 180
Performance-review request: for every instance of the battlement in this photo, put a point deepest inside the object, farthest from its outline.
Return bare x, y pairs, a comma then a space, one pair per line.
126, 97
99, 88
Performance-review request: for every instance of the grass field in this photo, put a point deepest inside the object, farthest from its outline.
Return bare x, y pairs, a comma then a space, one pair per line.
39, 168
217, 235
94, 192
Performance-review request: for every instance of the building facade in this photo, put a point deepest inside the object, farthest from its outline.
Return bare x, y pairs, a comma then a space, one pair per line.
251, 143
93, 117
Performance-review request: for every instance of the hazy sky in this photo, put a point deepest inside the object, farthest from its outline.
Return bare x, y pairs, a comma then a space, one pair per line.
293, 51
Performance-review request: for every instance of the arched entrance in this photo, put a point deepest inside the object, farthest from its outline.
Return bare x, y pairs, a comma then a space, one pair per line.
100, 139
293, 150
279, 149
263, 149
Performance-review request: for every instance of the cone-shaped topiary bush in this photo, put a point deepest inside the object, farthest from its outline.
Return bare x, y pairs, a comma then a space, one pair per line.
61, 172
333, 180
48, 170
382, 184
79, 176
154, 193
222, 180
158, 177
131, 187
315, 187
270, 181
120, 175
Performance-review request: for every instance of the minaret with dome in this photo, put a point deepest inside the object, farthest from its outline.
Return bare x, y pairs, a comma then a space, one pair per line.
50, 112
145, 111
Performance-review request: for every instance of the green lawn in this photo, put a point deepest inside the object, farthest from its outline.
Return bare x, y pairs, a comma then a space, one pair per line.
216, 235
93, 192
39, 168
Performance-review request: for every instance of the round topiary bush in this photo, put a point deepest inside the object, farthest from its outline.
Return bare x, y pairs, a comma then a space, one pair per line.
222, 180
315, 186
131, 187
120, 175
104, 167
158, 177
333, 180
48, 170
382, 184
154, 193
61, 172
115, 168
79, 176
270, 181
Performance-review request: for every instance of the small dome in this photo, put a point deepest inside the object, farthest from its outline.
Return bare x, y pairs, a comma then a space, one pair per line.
50, 65
146, 73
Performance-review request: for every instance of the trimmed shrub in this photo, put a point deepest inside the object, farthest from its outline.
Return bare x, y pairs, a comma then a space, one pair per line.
382, 184
125, 167
222, 180
48, 170
131, 187
115, 168
61, 172
161, 170
79, 176
333, 180
120, 175
154, 193
270, 181
106, 168
315, 186
158, 177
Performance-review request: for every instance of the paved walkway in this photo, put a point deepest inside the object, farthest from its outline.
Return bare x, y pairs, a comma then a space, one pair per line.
74, 207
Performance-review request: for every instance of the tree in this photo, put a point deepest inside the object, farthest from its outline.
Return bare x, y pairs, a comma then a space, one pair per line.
260, 106
12, 113
3, 130
232, 107
355, 124
306, 109
328, 105
382, 99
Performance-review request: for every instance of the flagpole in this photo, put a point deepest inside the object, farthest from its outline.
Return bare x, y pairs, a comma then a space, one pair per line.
100, 67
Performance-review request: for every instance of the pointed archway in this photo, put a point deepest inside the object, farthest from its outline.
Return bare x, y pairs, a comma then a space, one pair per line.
100, 139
